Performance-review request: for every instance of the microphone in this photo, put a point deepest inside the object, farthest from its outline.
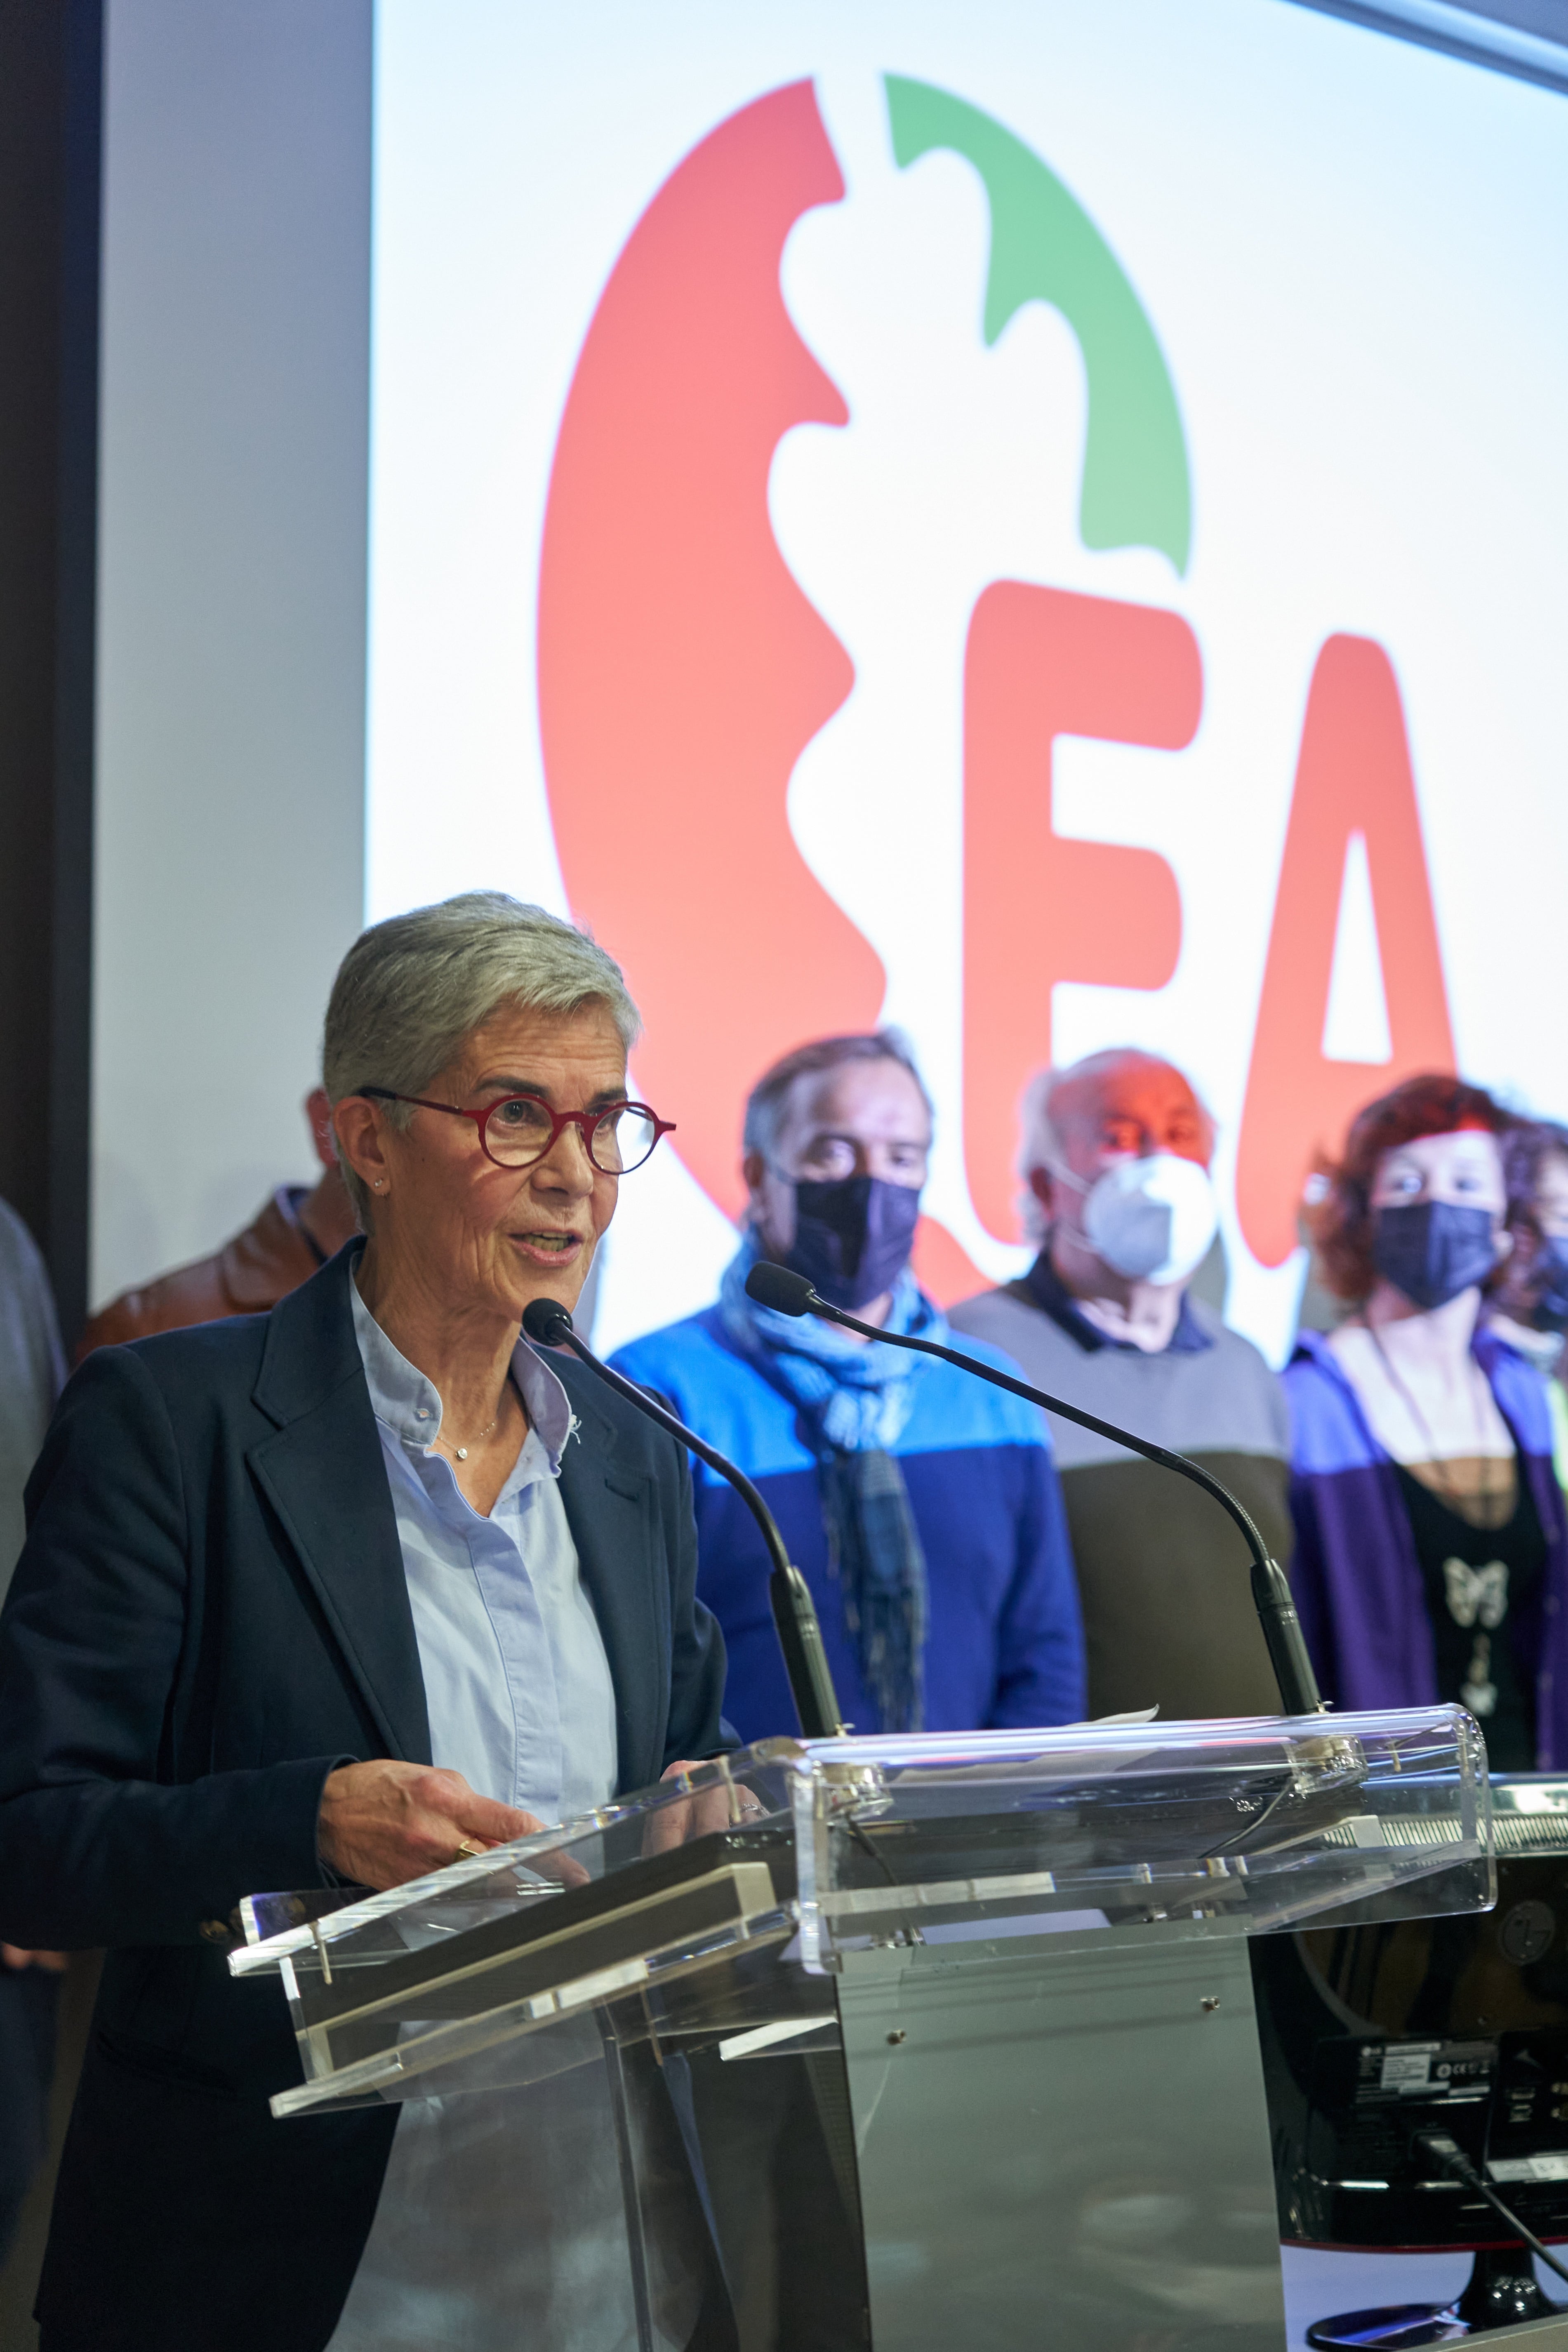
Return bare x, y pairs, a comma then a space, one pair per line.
546, 1322
790, 1294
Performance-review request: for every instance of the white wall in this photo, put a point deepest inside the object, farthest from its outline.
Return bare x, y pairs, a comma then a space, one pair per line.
231, 603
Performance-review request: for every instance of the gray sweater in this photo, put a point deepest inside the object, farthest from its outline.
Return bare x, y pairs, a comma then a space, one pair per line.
1163, 1573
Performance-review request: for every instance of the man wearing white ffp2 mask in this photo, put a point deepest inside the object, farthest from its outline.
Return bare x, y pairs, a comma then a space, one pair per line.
1151, 1220
1115, 1156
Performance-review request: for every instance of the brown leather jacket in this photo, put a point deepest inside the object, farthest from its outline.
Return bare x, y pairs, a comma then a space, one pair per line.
250, 1274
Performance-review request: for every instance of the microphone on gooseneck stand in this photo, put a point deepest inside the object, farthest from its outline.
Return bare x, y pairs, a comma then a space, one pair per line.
791, 1294
546, 1322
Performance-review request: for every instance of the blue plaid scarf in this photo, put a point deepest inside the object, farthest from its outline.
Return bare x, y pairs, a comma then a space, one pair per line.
853, 1401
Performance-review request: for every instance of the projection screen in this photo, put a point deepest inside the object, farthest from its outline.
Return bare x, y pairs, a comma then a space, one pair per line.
1039, 524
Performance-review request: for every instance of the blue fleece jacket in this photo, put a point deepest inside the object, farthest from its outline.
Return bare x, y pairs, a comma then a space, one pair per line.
1004, 1643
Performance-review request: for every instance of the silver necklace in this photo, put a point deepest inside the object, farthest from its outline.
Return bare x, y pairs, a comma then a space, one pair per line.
462, 1450
1489, 1494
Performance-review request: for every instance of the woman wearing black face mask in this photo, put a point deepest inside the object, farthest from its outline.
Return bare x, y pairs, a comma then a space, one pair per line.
1432, 1547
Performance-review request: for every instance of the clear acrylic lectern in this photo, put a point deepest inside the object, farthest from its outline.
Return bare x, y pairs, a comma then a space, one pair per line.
950, 2045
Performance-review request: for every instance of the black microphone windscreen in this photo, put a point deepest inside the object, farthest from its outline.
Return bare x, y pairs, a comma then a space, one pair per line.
546, 1322
776, 1286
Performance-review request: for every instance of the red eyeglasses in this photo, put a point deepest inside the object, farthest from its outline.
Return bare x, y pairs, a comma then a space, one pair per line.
519, 1129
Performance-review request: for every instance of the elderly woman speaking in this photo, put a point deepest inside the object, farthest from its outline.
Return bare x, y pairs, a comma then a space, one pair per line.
349, 1589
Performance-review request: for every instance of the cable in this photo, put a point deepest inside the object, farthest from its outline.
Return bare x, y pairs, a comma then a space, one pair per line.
1447, 2152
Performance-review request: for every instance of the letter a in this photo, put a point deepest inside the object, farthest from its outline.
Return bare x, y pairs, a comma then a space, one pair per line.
1354, 776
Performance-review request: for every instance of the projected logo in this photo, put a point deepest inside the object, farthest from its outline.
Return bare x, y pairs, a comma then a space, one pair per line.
731, 789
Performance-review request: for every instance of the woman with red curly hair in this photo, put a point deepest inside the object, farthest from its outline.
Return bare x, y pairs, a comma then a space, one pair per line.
1431, 1543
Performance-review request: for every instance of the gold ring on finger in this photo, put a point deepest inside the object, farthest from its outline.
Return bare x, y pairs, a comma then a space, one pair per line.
468, 1850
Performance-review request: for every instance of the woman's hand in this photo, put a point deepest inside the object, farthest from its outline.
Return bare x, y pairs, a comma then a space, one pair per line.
384, 1823
720, 1807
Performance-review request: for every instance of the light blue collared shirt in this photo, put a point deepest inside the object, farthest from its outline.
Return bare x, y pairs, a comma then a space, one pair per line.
500, 2220
517, 1683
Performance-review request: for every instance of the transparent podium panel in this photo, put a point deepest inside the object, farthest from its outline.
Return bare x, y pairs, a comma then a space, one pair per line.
920, 2041
1232, 1827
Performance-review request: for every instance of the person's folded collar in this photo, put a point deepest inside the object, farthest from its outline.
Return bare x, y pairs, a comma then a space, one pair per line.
1051, 1295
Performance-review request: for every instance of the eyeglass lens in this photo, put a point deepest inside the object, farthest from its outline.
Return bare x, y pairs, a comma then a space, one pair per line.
519, 1130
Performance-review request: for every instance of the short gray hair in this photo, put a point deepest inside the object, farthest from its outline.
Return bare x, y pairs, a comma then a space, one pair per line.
410, 990
1039, 1146
766, 1103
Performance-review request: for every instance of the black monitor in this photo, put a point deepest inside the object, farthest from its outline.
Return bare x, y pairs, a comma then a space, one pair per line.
1373, 2035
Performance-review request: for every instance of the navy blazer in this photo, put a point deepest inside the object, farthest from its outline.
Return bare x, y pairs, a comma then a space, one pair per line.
209, 1615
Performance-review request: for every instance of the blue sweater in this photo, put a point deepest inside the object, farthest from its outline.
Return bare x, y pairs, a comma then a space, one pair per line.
1003, 1646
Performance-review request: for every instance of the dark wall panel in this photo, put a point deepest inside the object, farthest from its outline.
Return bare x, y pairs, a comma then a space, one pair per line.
50, 80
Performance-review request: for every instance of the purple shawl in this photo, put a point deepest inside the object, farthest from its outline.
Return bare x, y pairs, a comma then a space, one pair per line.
1355, 1575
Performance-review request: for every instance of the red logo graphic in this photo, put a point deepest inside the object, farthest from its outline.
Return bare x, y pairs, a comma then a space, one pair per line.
1354, 776
1039, 908
682, 672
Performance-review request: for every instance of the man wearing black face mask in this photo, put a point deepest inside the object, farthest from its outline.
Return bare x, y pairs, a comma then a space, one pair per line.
922, 1507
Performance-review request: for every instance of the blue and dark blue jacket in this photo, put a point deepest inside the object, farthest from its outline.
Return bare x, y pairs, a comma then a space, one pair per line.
1004, 1643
